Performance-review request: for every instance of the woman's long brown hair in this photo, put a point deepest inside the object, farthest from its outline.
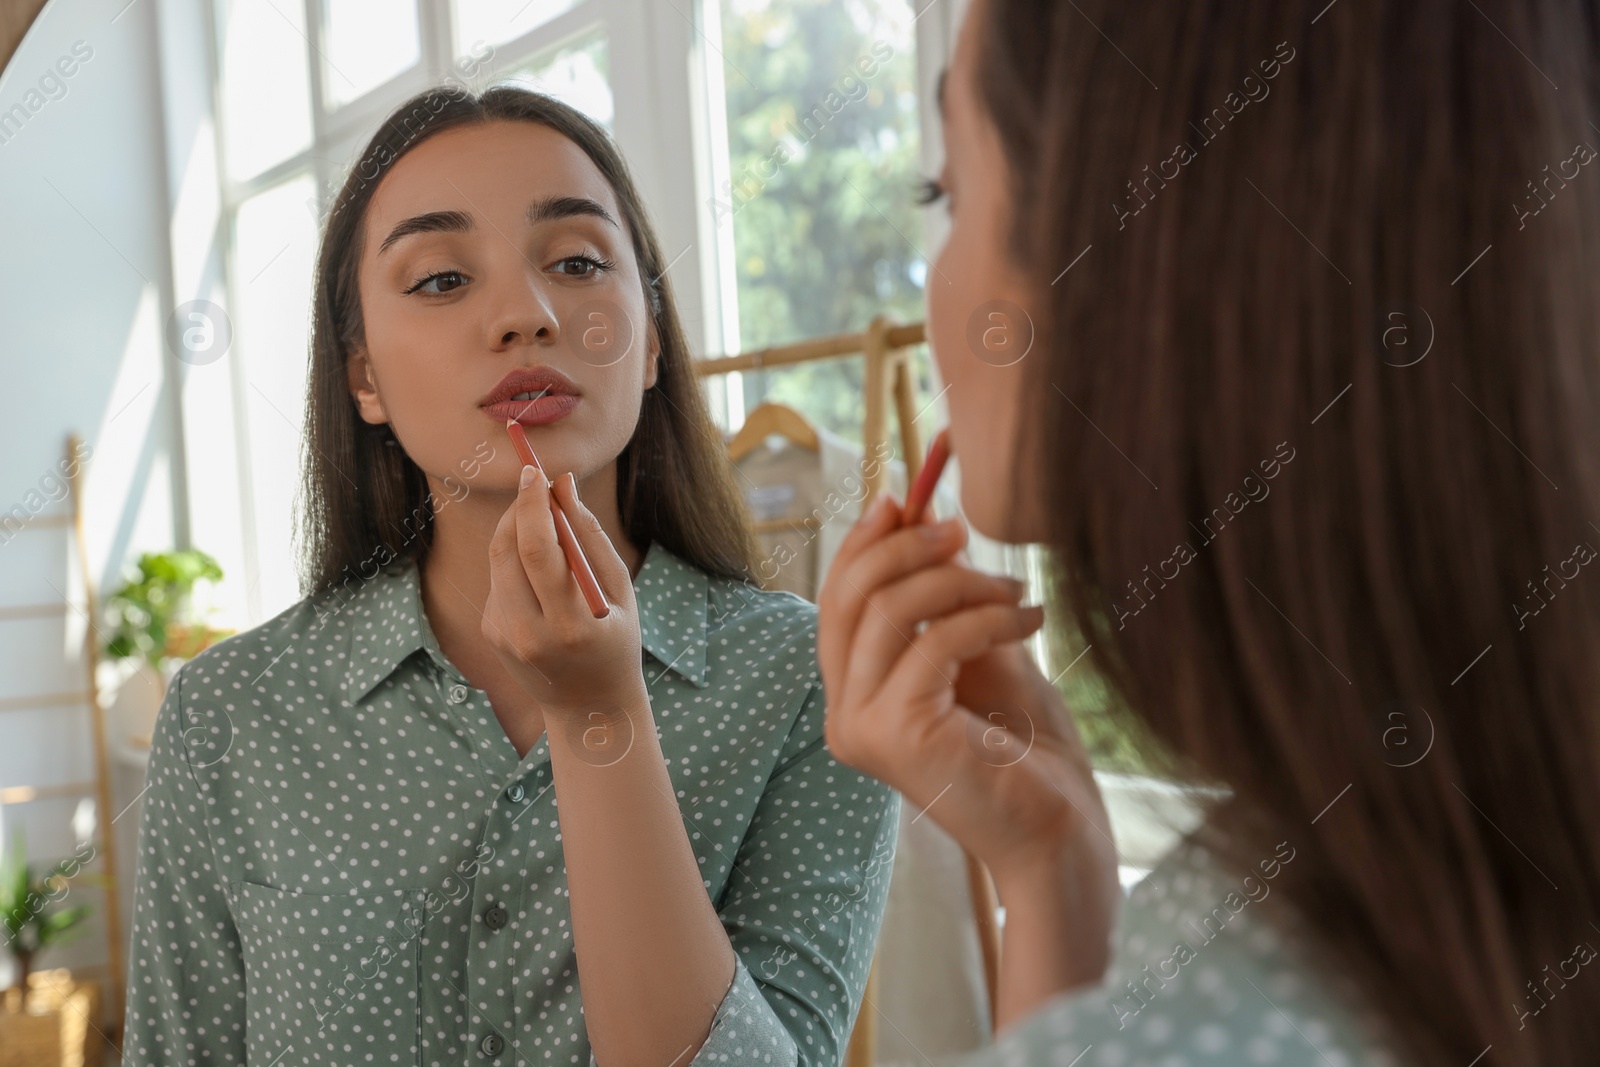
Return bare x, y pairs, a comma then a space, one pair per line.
1375, 274
363, 500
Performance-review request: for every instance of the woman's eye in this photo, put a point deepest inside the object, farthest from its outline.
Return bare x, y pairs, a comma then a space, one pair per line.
929, 191
436, 276
586, 266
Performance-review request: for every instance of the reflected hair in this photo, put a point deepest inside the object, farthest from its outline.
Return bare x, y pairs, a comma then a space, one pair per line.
364, 501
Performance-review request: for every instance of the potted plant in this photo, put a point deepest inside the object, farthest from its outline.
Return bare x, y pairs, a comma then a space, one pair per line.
46, 1014
150, 609
150, 623
31, 925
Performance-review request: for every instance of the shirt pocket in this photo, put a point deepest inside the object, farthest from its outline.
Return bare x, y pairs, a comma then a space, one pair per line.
330, 980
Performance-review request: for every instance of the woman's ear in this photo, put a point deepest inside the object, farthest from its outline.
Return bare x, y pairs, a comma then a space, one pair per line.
364, 387
652, 369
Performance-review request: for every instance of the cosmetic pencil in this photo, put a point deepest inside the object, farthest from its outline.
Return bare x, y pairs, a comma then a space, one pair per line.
576, 560
927, 478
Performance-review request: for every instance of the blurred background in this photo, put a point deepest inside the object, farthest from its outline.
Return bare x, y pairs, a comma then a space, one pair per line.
165, 167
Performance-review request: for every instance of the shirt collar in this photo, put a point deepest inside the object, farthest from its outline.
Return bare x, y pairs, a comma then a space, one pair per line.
387, 624
672, 596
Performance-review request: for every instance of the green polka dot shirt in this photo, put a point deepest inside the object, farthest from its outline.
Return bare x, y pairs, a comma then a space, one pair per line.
343, 861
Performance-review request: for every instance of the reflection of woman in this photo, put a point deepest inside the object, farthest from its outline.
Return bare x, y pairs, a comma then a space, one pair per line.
352, 848
1389, 662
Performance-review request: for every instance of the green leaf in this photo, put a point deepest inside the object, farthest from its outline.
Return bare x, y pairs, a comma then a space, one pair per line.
146, 606
61, 924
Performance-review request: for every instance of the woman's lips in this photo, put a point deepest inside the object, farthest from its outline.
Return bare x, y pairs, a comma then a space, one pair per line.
538, 412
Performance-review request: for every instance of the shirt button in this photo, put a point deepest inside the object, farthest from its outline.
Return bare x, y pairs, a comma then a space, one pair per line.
516, 793
491, 1045
458, 693
495, 917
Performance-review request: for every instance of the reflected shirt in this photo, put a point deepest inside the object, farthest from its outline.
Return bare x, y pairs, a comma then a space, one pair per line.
342, 859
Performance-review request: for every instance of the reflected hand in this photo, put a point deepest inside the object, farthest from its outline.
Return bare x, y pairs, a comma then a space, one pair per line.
536, 619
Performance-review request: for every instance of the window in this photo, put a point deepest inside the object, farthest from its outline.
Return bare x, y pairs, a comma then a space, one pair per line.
274, 249
575, 74
497, 21
817, 189
263, 45
367, 42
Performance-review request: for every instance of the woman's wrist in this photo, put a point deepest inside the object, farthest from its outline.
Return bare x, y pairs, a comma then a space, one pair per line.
623, 695
1060, 905
602, 728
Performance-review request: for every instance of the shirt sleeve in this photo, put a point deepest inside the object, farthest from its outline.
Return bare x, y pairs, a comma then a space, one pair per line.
803, 907
186, 976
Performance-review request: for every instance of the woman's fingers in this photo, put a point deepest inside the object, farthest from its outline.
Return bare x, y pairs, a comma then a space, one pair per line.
936, 654
609, 570
511, 602
896, 610
833, 637
543, 561
881, 517
896, 719
882, 555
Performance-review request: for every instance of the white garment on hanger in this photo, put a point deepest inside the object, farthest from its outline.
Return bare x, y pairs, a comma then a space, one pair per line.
782, 483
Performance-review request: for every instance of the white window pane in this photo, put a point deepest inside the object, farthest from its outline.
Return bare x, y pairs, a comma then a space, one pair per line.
275, 243
266, 88
577, 74
368, 42
497, 21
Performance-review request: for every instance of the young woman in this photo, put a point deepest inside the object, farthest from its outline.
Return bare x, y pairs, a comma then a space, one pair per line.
437, 812
1310, 423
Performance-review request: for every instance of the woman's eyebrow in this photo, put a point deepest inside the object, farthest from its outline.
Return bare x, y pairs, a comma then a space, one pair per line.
564, 207
543, 210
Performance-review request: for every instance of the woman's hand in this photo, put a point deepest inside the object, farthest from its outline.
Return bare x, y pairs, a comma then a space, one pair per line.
930, 690
536, 619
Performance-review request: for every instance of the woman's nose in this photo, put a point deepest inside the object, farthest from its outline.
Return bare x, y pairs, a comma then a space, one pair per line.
522, 309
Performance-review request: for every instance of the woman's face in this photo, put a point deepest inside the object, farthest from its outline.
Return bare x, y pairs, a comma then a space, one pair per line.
980, 329
560, 291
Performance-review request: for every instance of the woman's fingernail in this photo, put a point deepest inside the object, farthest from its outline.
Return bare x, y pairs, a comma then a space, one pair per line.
572, 480
938, 531
528, 471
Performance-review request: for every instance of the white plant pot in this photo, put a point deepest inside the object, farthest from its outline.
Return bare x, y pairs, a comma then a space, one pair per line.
131, 718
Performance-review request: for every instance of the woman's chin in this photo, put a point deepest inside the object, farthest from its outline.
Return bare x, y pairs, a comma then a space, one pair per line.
992, 511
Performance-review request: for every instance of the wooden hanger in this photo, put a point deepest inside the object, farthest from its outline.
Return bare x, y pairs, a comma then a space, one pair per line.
772, 419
